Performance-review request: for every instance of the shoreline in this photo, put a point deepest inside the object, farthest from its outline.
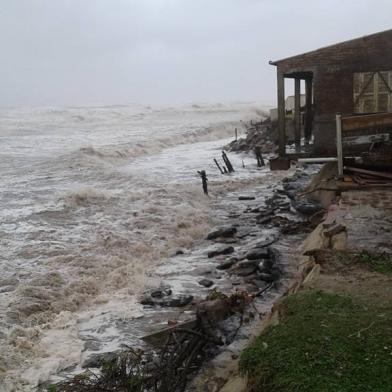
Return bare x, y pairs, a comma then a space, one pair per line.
241, 214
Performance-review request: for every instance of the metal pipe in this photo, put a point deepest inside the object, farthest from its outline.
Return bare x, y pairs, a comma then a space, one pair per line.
315, 160
339, 146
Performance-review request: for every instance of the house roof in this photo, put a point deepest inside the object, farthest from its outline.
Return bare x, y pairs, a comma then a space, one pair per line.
326, 50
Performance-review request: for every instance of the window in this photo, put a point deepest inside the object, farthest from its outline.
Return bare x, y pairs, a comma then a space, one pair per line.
373, 92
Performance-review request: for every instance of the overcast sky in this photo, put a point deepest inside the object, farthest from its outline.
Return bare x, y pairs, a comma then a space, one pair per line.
75, 52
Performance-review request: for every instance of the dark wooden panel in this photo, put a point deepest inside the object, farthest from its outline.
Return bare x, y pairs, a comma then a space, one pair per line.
377, 120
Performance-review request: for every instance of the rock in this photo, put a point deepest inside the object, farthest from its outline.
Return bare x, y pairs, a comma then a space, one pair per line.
206, 283
146, 299
307, 207
97, 360
273, 199
247, 271
221, 251
246, 198
265, 277
269, 277
179, 252
258, 253
222, 232
264, 219
248, 263
152, 296
168, 291
178, 302
157, 294
316, 218
265, 265
244, 233
227, 264
256, 209
227, 240
260, 284
265, 243
333, 230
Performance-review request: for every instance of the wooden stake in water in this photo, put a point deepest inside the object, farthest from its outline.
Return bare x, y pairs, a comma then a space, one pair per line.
217, 164
227, 162
204, 180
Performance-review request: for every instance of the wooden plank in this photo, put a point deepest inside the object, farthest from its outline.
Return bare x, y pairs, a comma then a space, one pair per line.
370, 172
377, 120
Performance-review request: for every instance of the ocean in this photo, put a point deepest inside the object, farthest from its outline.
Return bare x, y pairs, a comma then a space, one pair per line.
92, 200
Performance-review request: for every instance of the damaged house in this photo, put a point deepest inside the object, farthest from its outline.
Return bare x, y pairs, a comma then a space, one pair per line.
353, 79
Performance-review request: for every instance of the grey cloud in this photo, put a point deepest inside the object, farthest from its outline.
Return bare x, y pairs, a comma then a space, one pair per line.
71, 52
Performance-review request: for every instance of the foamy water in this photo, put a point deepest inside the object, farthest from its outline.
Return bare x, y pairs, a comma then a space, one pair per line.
91, 200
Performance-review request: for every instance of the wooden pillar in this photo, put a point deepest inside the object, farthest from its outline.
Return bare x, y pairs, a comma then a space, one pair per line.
281, 115
308, 111
297, 114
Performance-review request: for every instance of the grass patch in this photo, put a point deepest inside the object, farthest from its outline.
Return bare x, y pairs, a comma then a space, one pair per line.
378, 262
325, 342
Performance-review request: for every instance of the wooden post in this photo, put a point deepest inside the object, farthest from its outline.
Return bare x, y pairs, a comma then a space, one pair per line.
297, 114
308, 111
281, 115
339, 146
227, 162
236, 135
217, 164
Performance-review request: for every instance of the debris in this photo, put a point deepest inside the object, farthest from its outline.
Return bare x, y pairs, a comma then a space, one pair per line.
246, 198
372, 173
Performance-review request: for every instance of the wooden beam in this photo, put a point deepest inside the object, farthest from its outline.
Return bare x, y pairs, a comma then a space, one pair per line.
367, 121
308, 110
281, 114
297, 114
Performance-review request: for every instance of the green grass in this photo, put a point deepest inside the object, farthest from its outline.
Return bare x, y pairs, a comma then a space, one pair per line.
324, 342
378, 262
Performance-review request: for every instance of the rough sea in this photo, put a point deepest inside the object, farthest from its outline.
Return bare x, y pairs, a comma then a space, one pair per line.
92, 200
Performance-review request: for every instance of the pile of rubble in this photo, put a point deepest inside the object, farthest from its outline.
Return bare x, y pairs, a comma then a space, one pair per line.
262, 134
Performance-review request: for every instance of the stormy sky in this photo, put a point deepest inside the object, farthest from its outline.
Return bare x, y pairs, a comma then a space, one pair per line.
76, 52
